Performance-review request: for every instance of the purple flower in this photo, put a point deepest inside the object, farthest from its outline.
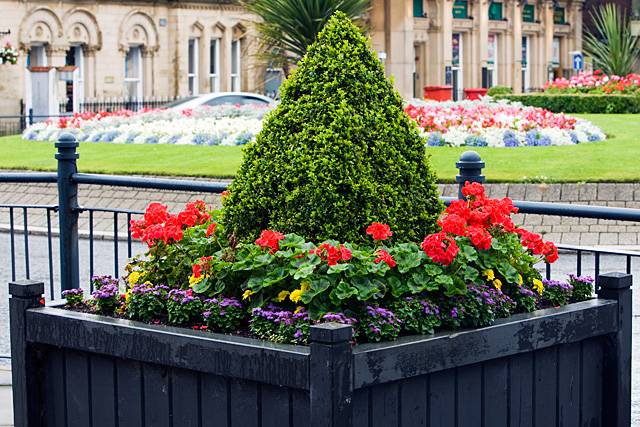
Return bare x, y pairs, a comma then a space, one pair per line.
557, 284
106, 291
582, 279
454, 312
72, 292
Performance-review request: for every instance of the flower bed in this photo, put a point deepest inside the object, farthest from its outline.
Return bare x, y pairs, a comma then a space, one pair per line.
223, 125
498, 124
478, 268
595, 83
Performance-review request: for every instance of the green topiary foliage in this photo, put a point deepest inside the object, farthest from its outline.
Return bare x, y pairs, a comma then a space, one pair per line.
336, 154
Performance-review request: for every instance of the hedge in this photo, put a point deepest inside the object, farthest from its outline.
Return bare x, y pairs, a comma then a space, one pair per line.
580, 103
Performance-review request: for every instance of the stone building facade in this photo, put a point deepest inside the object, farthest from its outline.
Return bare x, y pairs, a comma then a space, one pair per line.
476, 43
135, 49
173, 48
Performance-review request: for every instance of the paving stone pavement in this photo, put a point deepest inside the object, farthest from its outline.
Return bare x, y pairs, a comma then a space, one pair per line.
589, 232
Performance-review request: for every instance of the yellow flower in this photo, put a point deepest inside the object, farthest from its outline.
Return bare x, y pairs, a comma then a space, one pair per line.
498, 284
127, 295
296, 295
304, 286
193, 280
135, 277
298, 309
520, 280
282, 296
489, 274
247, 294
538, 286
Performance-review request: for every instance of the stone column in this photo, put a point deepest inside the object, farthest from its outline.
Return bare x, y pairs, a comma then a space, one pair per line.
148, 87
517, 47
205, 60
548, 37
481, 27
400, 51
446, 34
225, 60
576, 23
90, 76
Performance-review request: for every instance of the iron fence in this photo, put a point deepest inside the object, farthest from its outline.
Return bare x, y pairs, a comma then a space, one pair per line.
63, 270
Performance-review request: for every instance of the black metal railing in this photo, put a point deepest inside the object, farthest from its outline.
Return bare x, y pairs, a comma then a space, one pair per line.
63, 266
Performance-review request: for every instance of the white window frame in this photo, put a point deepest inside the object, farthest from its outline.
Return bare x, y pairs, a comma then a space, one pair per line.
193, 72
493, 67
214, 65
138, 96
39, 51
236, 75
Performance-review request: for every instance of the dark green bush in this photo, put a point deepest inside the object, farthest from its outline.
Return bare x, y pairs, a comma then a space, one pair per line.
499, 90
336, 154
580, 103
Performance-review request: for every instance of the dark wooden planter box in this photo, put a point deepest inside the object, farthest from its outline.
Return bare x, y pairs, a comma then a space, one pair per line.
568, 366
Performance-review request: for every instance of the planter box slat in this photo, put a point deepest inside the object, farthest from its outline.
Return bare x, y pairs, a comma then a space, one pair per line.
469, 387
129, 393
570, 379
411, 356
592, 361
103, 391
237, 357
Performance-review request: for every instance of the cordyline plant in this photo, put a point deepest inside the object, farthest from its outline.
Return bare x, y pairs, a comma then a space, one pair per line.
614, 48
288, 27
336, 154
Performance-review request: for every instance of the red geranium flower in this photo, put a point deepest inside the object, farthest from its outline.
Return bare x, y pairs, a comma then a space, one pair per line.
454, 224
379, 231
270, 239
386, 257
345, 254
211, 229
473, 190
480, 238
440, 248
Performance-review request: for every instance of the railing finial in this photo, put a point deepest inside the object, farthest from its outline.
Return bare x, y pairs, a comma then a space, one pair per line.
470, 166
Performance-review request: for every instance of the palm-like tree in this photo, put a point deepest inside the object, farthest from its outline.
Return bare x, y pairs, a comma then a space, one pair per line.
612, 45
287, 27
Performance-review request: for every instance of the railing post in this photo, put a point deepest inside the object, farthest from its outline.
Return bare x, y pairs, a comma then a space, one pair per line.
470, 166
68, 211
617, 354
331, 375
25, 378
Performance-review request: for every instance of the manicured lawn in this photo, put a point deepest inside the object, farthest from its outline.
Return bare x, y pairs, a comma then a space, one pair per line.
613, 160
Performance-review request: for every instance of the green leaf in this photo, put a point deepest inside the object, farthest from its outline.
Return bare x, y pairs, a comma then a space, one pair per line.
203, 286
343, 291
316, 287
304, 271
339, 268
398, 286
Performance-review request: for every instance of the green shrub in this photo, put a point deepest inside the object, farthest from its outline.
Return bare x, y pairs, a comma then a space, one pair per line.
337, 154
499, 90
580, 103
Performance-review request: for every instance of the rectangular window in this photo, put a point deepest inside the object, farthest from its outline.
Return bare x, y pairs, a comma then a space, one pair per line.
555, 51
526, 75
461, 9
495, 11
194, 64
133, 73
37, 56
558, 15
492, 60
235, 65
418, 8
214, 65
529, 13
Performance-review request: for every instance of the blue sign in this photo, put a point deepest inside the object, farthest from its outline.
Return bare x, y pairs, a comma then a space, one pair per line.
578, 61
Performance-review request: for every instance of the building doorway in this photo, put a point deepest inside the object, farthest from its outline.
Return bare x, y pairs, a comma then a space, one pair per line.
492, 60
74, 87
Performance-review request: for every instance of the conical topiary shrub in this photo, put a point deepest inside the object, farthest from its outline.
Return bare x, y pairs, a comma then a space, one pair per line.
336, 154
